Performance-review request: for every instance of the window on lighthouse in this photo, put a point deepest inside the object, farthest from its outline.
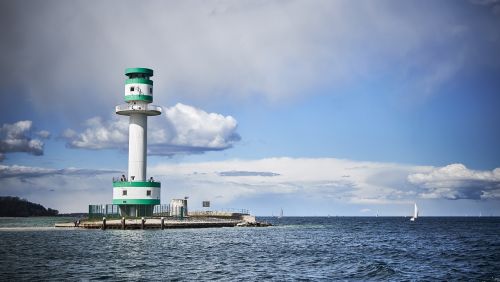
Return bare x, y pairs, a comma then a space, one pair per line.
124, 193
151, 90
148, 193
131, 88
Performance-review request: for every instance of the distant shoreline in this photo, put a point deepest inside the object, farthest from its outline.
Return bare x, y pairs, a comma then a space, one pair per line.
17, 207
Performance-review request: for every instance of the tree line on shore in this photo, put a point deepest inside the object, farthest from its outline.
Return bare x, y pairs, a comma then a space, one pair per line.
14, 206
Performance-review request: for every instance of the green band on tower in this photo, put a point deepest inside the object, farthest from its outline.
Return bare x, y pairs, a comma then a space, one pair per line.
136, 201
139, 81
137, 184
146, 98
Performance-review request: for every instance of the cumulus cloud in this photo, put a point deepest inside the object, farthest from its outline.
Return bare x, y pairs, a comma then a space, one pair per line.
192, 130
456, 181
99, 134
182, 129
18, 137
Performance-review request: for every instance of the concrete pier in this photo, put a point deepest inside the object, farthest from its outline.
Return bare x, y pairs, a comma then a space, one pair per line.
154, 223
196, 220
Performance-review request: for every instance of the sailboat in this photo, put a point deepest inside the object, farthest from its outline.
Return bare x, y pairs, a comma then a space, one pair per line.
281, 214
415, 213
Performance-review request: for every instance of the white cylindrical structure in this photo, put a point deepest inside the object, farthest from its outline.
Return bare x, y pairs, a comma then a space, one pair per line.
137, 194
137, 144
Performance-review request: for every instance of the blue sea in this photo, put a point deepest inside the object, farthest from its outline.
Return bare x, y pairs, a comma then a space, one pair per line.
296, 248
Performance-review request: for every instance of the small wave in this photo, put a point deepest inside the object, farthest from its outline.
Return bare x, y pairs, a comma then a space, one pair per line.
375, 270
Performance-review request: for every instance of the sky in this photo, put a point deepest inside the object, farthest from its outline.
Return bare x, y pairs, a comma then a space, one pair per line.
349, 108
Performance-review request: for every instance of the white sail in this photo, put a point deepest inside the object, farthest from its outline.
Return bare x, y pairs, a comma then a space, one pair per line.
415, 213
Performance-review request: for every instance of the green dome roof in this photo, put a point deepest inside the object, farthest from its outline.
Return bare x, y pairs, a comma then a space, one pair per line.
146, 71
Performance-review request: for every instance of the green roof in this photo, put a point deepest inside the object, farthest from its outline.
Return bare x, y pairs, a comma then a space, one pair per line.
146, 71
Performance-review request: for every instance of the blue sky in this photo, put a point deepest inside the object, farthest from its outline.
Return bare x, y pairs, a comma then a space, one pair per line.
316, 107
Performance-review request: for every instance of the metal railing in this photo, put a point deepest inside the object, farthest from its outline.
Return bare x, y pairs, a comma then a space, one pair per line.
161, 210
108, 211
142, 107
222, 212
113, 211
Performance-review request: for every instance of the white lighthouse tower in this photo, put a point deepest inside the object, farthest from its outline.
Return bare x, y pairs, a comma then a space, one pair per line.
136, 194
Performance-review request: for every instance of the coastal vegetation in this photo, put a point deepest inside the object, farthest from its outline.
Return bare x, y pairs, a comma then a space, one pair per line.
14, 206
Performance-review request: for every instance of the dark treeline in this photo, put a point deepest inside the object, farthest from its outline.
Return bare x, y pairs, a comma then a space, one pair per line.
14, 206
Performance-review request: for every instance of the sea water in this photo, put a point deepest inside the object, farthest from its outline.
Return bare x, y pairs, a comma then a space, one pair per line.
296, 248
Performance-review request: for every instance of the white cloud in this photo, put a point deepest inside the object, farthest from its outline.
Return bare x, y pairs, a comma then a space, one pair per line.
17, 137
342, 180
247, 173
181, 129
455, 181
192, 130
302, 185
325, 178
44, 134
17, 171
69, 134
99, 134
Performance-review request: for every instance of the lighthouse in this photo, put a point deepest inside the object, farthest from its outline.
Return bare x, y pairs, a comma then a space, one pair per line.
135, 193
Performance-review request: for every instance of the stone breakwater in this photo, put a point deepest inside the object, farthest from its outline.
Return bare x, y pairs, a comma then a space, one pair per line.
165, 223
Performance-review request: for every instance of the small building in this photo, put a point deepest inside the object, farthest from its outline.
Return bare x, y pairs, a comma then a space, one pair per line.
179, 207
